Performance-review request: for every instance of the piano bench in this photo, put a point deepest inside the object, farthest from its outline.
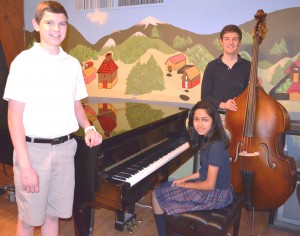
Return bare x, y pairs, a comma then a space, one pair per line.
207, 222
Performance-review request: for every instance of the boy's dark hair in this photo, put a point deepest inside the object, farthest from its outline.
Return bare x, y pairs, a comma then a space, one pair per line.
217, 131
50, 6
231, 28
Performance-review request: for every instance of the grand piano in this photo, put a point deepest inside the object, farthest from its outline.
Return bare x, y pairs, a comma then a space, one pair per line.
143, 144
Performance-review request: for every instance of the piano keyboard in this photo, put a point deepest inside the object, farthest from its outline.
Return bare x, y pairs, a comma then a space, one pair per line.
141, 166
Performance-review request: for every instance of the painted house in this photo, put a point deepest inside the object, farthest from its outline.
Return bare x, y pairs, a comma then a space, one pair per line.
294, 74
190, 77
107, 73
107, 117
89, 72
91, 114
175, 62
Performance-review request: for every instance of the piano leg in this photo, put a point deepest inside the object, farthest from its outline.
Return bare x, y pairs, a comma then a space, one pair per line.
124, 217
85, 182
82, 222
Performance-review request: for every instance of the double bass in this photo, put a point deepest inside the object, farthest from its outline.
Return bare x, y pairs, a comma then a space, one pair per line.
259, 168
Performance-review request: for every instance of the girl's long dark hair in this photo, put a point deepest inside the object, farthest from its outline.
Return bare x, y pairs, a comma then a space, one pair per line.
217, 131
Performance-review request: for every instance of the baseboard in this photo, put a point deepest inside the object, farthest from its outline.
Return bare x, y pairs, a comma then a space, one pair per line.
287, 216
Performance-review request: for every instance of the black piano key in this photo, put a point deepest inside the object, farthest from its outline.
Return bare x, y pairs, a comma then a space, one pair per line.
119, 178
130, 171
144, 159
123, 174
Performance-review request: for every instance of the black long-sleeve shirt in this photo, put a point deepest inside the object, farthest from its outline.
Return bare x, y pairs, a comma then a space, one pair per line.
221, 83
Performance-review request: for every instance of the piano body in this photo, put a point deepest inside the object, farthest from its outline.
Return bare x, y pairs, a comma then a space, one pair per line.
143, 144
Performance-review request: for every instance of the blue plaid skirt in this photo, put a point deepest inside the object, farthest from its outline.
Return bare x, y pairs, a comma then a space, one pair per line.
177, 199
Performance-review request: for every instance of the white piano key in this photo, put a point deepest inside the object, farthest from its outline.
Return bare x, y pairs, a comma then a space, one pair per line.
154, 166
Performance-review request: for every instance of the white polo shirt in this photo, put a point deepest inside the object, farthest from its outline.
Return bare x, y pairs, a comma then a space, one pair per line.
48, 85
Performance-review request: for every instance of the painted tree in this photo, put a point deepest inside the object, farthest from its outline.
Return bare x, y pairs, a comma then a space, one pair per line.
144, 78
83, 53
154, 33
279, 48
277, 75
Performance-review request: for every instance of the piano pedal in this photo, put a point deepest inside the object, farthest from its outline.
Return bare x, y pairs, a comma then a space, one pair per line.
127, 227
137, 221
133, 224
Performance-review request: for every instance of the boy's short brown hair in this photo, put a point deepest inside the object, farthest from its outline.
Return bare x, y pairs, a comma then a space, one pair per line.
231, 28
50, 6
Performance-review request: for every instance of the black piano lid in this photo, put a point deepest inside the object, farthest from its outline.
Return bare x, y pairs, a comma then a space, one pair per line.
120, 120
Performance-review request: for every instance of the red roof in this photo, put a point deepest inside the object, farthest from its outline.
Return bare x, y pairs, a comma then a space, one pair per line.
108, 122
108, 65
297, 63
89, 110
88, 64
177, 58
295, 88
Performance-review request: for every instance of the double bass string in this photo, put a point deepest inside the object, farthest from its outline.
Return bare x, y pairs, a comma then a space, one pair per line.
248, 133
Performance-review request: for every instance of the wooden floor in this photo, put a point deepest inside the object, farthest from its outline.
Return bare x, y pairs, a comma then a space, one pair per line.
104, 219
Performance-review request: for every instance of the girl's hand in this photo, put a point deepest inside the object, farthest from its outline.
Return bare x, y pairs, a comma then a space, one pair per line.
178, 182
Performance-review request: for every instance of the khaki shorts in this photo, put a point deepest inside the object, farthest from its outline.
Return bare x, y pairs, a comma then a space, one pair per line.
54, 165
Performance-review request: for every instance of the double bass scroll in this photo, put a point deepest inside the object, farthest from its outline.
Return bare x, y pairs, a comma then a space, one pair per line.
259, 168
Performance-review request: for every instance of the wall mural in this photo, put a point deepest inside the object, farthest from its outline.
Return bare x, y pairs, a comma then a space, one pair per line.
154, 60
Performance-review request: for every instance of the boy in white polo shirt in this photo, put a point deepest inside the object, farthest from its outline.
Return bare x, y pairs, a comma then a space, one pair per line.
44, 89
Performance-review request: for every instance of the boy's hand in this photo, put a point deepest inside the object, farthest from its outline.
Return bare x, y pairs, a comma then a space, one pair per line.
29, 180
92, 138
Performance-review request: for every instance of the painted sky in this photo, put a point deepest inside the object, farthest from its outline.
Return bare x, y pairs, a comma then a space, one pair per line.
198, 16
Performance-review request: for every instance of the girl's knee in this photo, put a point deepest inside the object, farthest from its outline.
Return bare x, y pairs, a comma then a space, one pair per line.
153, 196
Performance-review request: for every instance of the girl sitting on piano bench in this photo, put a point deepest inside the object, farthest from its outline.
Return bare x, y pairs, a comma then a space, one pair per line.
210, 187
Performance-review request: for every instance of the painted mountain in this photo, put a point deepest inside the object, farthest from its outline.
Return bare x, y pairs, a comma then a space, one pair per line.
282, 26
277, 53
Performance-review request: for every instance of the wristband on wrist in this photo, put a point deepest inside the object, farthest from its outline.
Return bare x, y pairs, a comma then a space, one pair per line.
88, 128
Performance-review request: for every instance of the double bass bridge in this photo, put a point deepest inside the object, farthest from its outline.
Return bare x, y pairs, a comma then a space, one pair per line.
249, 154
264, 152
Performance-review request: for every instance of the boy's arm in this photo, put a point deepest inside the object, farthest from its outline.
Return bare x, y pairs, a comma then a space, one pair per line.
29, 178
92, 137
